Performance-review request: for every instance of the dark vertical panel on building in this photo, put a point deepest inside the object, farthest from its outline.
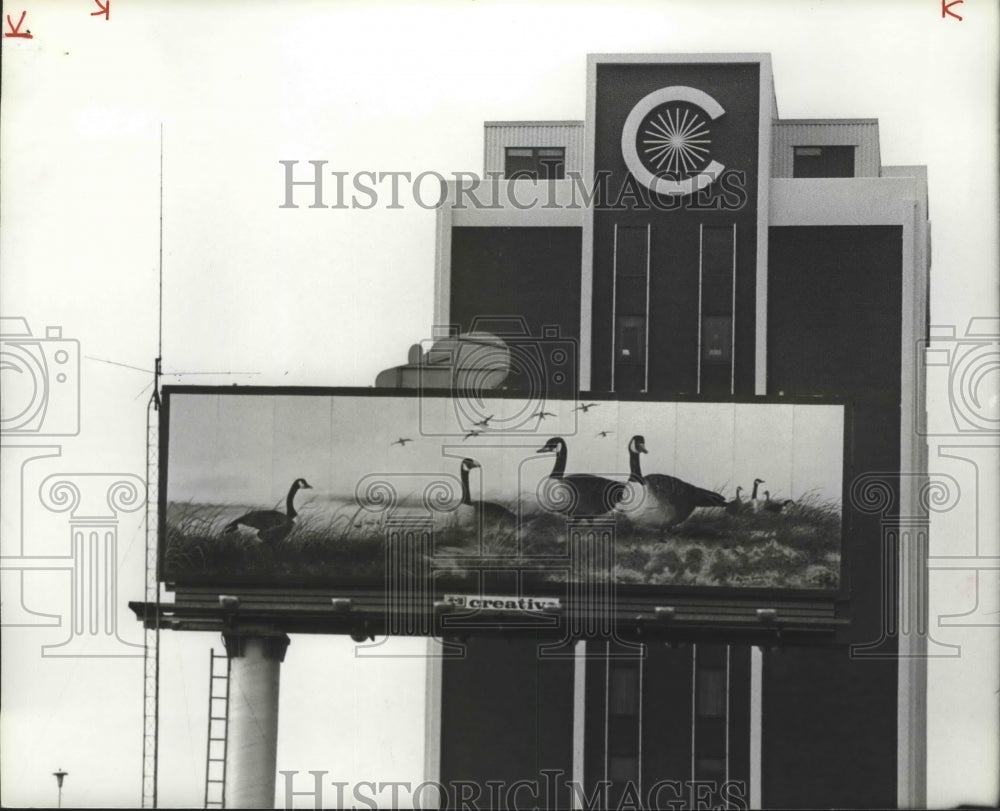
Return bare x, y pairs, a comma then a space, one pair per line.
739, 719
507, 715
837, 291
834, 328
829, 730
833, 319
533, 273
673, 329
711, 724
716, 310
624, 729
666, 722
631, 285
602, 320
745, 314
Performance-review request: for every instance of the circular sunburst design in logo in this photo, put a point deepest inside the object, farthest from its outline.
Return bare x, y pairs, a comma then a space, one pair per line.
667, 142
674, 140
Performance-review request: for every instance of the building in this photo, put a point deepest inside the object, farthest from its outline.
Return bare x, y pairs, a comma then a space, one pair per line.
797, 266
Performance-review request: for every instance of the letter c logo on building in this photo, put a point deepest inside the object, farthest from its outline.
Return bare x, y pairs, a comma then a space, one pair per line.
666, 140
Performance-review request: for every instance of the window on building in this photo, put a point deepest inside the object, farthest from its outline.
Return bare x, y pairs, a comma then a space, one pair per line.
823, 161
537, 163
630, 341
711, 692
623, 697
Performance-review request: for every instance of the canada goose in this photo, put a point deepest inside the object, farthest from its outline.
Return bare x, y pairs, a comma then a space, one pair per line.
585, 407
494, 516
578, 495
542, 415
668, 500
736, 506
485, 422
604, 433
774, 506
271, 525
401, 441
472, 433
755, 501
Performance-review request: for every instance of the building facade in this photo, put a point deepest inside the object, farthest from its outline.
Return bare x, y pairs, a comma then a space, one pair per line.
696, 245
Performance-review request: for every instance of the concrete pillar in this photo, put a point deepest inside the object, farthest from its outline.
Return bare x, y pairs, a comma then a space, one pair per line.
252, 746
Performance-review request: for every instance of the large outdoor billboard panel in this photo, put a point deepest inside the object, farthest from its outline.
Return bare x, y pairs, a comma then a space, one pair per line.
304, 488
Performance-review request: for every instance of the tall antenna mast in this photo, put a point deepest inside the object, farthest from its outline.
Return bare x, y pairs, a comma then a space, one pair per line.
159, 317
151, 624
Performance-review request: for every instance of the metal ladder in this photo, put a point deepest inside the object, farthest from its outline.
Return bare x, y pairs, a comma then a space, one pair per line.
218, 728
151, 625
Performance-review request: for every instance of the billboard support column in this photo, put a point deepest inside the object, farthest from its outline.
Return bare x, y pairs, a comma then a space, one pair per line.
252, 748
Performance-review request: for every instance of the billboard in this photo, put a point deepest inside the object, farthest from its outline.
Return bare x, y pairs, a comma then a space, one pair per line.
309, 488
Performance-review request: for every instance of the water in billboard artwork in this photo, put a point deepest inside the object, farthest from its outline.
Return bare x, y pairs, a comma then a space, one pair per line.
722, 494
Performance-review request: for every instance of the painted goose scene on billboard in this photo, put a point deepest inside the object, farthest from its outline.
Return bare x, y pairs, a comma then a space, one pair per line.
301, 488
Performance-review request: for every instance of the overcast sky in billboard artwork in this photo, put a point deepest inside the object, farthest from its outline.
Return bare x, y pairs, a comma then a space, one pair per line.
258, 295
247, 449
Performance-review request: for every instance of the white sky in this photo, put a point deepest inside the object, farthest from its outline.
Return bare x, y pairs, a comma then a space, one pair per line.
257, 295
